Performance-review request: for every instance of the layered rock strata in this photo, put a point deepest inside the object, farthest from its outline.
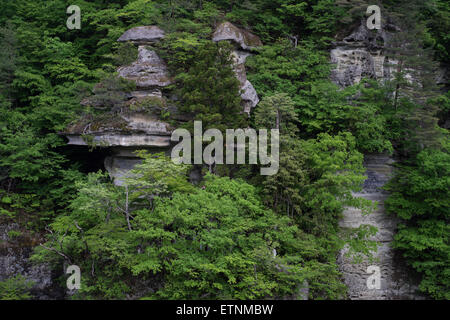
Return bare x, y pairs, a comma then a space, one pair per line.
137, 128
396, 279
359, 55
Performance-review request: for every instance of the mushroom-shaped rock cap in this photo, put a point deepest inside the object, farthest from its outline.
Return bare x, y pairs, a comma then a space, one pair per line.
228, 31
142, 34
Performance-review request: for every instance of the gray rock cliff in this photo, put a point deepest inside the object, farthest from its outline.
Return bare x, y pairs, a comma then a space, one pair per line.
397, 280
245, 42
15, 255
362, 54
359, 55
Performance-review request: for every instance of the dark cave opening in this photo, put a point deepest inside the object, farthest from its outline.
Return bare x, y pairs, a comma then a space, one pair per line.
84, 158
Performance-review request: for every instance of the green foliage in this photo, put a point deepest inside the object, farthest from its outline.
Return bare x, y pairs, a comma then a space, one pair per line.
281, 67
317, 174
111, 94
315, 180
8, 58
322, 106
126, 54
282, 18
420, 197
15, 288
212, 242
277, 112
210, 90
27, 156
158, 236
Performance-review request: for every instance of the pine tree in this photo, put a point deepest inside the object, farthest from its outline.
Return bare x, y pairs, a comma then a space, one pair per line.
413, 75
8, 47
210, 90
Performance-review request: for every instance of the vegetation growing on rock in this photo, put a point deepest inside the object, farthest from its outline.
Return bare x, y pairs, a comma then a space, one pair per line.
236, 234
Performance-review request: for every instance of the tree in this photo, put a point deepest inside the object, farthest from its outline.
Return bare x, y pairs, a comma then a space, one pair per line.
210, 90
15, 288
216, 241
299, 188
420, 194
8, 57
414, 84
315, 180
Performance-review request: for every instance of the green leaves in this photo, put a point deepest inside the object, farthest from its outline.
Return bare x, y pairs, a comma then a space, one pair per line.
215, 242
27, 156
210, 90
420, 197
281, 67
15, 288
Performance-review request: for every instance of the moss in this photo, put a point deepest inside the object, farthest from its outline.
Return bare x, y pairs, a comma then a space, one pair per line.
106, 121
251, 40
126, 54
152, 105
12, 234
92, 144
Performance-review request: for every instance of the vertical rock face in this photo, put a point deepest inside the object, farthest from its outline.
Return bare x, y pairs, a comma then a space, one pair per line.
396, 281
360, 55
14, 260
245, 41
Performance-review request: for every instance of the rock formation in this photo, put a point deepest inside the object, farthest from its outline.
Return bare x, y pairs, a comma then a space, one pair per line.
138, 127
148, 71
15, 255
143, 34
396, 277
359, 55
245, 41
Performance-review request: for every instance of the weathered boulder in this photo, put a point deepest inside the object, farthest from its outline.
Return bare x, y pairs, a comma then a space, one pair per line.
249, 96
239, 58
124, 159
117, 139
149, 70
143, 94
142, 122
131, 128
245, 39
142, 34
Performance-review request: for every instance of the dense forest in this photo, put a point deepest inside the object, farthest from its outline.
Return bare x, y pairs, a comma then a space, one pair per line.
234, 234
